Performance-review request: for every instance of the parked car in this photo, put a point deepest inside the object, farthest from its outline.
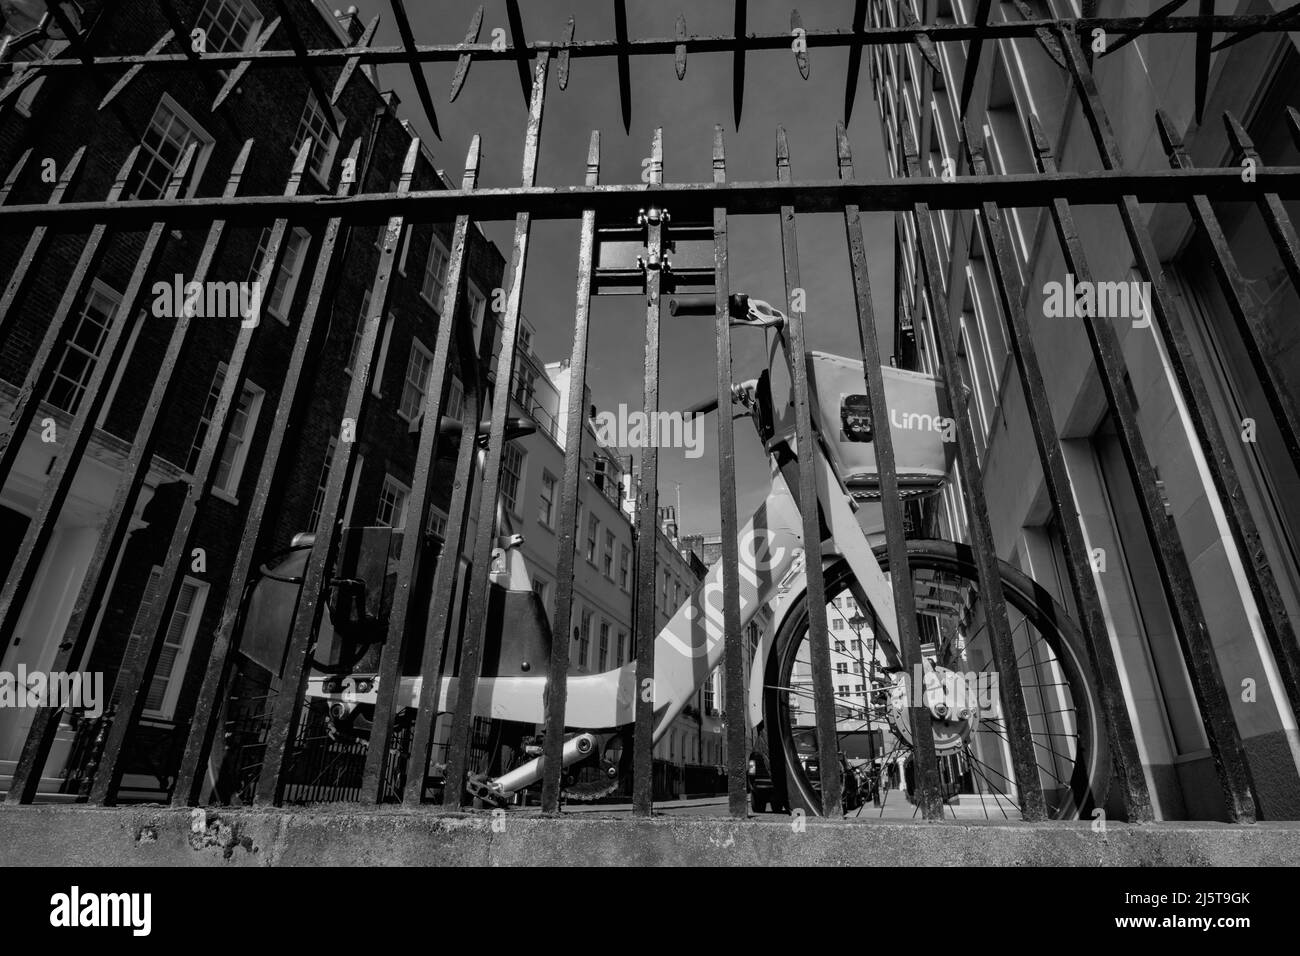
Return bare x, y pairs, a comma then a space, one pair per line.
762, 793
805, 744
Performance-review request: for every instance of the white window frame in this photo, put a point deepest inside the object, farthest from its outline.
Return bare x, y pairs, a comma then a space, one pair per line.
254, 27
176, 678
195, 128
376, 385
291, 269
391, 484
437, 244
409, 384
513, 501
229, 489
549, 485
591, 547
624, 567
455, 409
324, 162
477, 308
107, 292
357, 335
607, 556
318, 498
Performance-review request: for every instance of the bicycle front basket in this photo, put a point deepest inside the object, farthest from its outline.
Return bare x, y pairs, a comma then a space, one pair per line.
919, 423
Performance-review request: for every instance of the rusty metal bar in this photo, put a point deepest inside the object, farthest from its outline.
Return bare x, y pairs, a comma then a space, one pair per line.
858, 36
557, 681
1171, 561
624, 69
1087, 598
350, 67
417, 73
733, 662
125, 80
473, 358
260, 43
117, 520
1253, 332
622, 201
981, 21
899, 33
1019, 735
466, 59
418, 500
301, 60
136, 673
1250, 324
17, 169
647, 502
22, 572
207, 707
1270, 205
472, 637
738, 64
519, 46
801, 59
1202, 664
310, 609
562, 68
928, 790
819, 648
23, 271
679, 52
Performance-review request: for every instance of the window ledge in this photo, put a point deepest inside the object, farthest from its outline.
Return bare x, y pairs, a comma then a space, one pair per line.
225, 496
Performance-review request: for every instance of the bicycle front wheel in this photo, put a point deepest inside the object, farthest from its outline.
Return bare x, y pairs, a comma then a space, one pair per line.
873, 731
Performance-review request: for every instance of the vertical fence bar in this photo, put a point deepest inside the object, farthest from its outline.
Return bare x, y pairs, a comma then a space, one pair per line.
20, 416
1017, 726
647, 508
117, 521
417, 512
22, 574
137, 672
1207, 680
23, 271
207, 706
928, 792
476, 617
1276, 218
733, 684
1119, 727
473, 360
1244, 312
307, 615
557, 681
832, 782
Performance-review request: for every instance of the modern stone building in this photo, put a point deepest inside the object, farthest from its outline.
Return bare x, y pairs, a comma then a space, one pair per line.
1256, 80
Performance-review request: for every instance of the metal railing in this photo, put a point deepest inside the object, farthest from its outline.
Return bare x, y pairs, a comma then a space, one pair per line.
593, 205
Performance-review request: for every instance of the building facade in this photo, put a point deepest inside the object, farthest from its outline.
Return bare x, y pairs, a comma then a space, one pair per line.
161, 113
1016, 80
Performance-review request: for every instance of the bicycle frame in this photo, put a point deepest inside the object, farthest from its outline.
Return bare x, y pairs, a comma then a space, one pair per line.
691, 645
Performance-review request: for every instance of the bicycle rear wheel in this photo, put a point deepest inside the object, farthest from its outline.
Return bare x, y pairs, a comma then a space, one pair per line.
976, 771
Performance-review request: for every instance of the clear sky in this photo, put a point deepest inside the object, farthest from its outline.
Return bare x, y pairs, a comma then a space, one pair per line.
492, 104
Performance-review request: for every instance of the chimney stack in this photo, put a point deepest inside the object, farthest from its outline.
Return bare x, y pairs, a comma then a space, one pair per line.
351, 23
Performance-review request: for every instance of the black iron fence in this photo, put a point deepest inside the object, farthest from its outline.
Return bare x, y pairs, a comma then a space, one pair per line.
271, 762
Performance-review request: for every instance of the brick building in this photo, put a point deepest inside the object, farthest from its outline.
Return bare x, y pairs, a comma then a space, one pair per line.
161, 112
